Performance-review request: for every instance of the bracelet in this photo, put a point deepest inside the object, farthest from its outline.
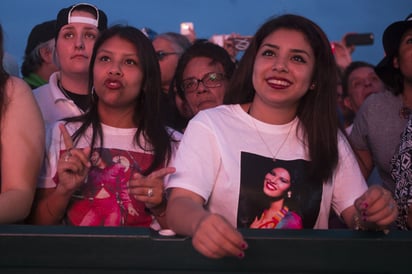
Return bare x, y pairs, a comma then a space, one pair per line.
357, 225
162, 213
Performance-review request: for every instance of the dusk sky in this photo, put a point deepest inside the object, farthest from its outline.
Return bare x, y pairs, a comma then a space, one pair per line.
216, 17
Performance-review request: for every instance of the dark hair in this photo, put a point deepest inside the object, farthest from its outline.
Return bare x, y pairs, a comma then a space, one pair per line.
146, 115
202, 49
4, 76
317, 110
348, 71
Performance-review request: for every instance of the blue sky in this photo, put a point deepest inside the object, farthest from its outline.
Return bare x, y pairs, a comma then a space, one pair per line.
216, 17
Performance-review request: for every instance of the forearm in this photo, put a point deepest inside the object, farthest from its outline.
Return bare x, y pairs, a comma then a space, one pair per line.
15, 205
409, 221
184, 215
50, 209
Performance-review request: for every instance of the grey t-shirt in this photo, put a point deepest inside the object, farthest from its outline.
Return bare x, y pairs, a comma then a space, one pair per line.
377, 128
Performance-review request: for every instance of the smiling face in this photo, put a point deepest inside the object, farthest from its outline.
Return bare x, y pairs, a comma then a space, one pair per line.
277, 182
283, 70
74, 45
117, 75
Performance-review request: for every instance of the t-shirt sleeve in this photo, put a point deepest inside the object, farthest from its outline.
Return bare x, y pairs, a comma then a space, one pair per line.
349, 183
197, 160
359, 133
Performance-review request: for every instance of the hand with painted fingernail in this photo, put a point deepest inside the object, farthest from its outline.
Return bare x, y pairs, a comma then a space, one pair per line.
377, 206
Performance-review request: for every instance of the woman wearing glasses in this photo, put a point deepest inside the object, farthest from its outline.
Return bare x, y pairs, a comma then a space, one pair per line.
202, 76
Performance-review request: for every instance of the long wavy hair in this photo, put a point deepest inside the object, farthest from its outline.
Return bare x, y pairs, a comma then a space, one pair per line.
146, 114
317, 109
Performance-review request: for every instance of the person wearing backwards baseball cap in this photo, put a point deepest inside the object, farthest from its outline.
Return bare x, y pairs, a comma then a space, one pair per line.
67, 94
384, 116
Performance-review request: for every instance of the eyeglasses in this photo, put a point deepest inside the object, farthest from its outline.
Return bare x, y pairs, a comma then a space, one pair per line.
209, 80
162, 54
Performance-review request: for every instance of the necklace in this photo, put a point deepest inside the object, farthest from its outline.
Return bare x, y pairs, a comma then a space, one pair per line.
263, 140
63, 90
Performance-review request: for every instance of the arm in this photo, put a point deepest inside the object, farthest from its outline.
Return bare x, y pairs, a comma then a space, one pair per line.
212, 235
72, 168
22, 151
364, 158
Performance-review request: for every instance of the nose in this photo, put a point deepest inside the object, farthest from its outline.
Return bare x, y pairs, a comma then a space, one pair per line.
367, 82
79, 43
201, 89
115, 70
280, 65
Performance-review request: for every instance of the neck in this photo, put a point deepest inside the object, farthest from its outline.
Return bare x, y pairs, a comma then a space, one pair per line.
270, 115
44, 73
407, 93
276, 205
75, 84
119, 118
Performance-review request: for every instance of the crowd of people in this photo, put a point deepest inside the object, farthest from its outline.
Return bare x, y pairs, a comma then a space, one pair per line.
112, 127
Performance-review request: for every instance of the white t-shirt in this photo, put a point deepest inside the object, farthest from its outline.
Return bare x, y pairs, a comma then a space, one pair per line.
222, 149
104, 198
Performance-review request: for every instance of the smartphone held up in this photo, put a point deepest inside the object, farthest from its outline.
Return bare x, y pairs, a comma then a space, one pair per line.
359, 39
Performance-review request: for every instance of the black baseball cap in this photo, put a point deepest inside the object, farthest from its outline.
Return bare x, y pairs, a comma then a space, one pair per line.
65, 17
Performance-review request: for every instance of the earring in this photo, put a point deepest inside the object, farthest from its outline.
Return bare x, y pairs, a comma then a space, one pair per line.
289, 194
312, 86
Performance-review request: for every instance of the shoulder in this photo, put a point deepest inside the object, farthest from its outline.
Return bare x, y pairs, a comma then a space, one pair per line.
217, 113
379, 100
16, 87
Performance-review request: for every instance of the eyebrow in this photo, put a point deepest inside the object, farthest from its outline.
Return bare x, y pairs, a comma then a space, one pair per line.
102, 50
293, 50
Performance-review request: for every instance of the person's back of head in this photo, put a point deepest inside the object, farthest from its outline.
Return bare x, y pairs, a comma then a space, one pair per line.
178, 41
40, 38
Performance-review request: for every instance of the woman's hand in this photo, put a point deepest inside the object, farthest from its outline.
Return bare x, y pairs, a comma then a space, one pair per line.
149, 189
73, 165
377, 207
215, 238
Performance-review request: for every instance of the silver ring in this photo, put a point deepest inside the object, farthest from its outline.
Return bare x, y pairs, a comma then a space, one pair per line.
150, 192
67, 155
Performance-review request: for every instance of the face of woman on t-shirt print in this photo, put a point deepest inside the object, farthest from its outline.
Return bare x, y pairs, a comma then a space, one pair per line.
285, 186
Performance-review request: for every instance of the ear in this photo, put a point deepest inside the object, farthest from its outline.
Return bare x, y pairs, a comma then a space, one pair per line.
347, 103
46, 54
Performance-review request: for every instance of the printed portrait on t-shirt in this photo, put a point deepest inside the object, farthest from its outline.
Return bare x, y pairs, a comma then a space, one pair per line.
103, 200
277, 194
